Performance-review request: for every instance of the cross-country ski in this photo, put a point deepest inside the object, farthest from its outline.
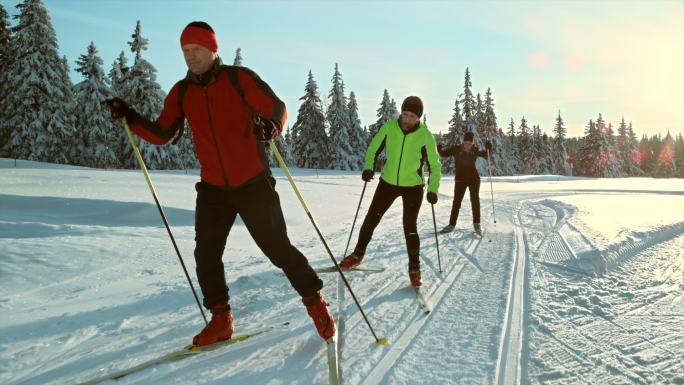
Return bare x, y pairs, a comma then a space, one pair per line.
186, 352
422, 299
367, 269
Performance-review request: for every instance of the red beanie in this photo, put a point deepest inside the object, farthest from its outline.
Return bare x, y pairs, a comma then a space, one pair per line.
201, 36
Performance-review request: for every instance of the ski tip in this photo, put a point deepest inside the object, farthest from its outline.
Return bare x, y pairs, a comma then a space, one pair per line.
383, 341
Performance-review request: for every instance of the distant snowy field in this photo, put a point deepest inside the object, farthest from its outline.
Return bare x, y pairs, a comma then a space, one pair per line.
582, 282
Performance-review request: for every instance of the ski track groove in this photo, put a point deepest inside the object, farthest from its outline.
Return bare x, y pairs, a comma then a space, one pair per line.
419, 319
387, 363
511, 342
355, 320
603, 342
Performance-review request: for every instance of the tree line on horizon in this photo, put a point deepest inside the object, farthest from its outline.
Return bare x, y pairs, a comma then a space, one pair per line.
45, 117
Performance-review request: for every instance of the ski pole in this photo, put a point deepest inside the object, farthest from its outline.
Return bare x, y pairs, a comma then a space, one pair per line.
434, 222
381, 341
491, 185
161, 212
355, 215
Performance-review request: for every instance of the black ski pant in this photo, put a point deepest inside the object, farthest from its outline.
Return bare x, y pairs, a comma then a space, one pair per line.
459, 191
383, 198
258, 205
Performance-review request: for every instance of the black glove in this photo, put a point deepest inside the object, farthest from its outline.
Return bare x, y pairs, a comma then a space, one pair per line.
264, 129
367, 175
488, 145
120, 109
431, 197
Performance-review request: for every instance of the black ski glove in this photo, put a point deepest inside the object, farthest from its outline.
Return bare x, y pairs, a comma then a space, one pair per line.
488, 145
264, 129
431, 197
120, 109
367, 175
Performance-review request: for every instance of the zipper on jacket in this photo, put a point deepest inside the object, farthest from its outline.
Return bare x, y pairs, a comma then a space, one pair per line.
213, 134
401, 155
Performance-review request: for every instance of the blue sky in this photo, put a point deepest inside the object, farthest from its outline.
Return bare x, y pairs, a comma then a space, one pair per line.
618, 58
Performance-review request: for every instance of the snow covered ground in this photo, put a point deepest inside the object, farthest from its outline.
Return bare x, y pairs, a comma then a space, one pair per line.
578, 281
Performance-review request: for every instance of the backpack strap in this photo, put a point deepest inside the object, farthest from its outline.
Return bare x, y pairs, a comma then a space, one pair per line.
232, 72
233, 76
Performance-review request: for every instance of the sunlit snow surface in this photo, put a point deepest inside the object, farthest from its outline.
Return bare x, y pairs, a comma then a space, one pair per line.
582, 282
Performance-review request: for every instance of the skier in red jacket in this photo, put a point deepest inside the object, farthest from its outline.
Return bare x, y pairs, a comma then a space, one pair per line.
231, 112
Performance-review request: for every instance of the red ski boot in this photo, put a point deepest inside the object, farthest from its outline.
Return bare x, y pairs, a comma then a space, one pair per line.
416, 280
220, 328
318, 311
351, 261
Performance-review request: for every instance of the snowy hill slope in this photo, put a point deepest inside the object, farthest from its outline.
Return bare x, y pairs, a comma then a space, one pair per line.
571, 289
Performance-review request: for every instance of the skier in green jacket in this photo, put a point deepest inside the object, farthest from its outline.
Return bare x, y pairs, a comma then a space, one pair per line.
408, 144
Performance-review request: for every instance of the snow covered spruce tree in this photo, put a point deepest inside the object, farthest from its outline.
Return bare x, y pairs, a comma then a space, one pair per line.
533, 162
479, 116
142, 92
453, 137
610, 160
287, 154
511, 144
311, 146
94, 127
627, 145
6, 56
525, 149
386, 111
542, 150
596, 156
559, 155
118, 73
666, 158
283, 149
679, 156
70, 107
341, 155
470, 117
469, 105
491, 132
649, 148
394, 111
238, 57
117, 78
40, 123
183, 156
357, 134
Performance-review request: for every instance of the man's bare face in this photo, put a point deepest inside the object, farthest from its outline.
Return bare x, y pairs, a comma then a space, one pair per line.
408, 120
198, 58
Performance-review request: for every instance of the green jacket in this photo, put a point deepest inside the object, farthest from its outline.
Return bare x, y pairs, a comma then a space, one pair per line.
406, 154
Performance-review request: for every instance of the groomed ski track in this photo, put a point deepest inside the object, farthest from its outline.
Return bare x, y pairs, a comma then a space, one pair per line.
540, 299
394, 311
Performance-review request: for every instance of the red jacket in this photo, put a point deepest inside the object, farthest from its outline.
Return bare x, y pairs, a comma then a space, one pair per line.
221, 121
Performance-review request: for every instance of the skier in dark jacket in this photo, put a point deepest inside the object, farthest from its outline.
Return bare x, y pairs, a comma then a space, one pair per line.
467, 176
231, 112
